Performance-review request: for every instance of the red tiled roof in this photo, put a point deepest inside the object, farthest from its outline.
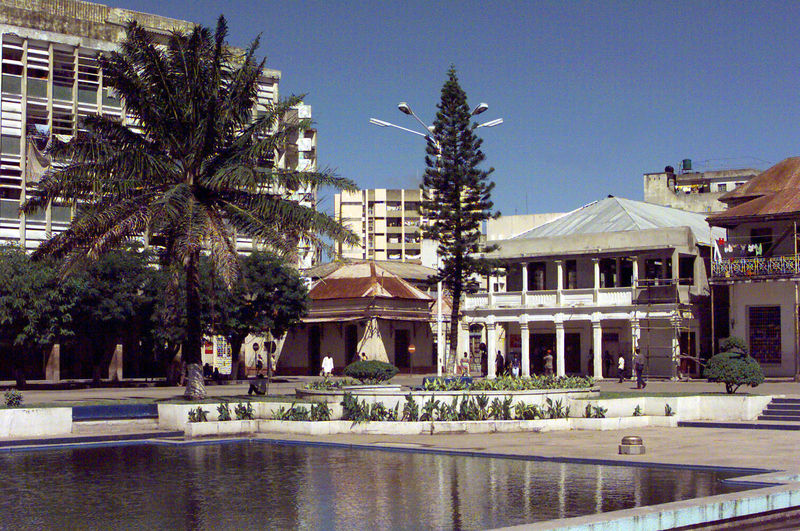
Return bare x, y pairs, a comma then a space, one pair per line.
364, 280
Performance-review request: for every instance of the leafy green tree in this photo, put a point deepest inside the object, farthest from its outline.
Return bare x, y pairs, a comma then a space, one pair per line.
36, 310
116, 302
269, 297
734, 367
192, 171
457, 200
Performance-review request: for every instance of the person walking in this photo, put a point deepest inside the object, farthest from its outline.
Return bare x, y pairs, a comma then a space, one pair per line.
638, 366
500, 364
621, 368
548, 363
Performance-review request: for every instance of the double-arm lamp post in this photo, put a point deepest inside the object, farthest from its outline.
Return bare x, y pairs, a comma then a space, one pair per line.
430, 136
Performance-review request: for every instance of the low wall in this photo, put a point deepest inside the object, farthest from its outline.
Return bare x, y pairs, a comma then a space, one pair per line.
176, 416
699, 407
35, 422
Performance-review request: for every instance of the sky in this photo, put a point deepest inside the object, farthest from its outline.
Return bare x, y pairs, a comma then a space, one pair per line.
593, 94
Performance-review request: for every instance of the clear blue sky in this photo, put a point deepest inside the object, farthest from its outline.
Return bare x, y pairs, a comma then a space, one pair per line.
594, 94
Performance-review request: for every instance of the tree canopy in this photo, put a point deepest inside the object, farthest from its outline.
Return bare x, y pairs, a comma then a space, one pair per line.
191, 170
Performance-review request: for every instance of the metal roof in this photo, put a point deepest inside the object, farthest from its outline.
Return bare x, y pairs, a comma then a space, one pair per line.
617, 214
404, 270
364, 280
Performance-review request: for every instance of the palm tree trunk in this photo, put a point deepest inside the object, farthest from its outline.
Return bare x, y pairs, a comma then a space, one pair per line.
452, 333
195, 389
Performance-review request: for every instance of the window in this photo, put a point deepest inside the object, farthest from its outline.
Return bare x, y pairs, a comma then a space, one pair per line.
572, 274
722, 187
536, 281
686, 270
764, 328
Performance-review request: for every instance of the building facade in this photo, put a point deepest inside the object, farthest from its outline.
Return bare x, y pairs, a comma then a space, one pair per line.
593, 285
691, 190
51, 79
756, 267
387, 221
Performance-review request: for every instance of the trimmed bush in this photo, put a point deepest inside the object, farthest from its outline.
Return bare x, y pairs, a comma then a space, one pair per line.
734, 369
371, 371
13, 398
733, 344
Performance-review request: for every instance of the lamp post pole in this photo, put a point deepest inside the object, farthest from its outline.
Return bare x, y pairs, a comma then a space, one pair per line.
430, 136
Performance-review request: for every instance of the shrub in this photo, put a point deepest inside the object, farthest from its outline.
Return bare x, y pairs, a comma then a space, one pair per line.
13, 398
320, 411
243, 412
410, 409
637, 412
223, 412
198, 415
733, 344
371, 371
734, 369
354, 410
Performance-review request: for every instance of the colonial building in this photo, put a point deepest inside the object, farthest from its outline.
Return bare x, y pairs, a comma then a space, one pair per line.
756, 269
593, 285
362, 310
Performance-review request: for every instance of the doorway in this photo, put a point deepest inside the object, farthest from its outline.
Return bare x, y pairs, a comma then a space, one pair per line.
350, 344
401, 356
572, 354
314, 339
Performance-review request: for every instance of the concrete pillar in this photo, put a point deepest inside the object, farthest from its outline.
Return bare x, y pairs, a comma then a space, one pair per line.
463, 339
524, 284
597, 348
559, 280
676, 348
635, 264
635, 332
115, 367
53, 367
596, 267
676, 265
560, 348
525, 353
491, 348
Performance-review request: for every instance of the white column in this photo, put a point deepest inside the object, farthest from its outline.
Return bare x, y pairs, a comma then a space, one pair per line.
676, 348
491, 348
676, 265
524, 284
559, 280
463, 340
597, 348
635, 332
524, 337
560, 348
115, 367
596, 267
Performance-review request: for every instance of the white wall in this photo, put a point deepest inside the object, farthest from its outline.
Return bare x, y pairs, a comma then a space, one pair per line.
776, 293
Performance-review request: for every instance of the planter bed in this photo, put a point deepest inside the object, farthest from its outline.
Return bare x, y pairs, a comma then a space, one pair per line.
35, 422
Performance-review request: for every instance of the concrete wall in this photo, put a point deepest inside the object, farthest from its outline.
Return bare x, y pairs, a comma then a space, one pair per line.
30, 422
506, 227
744, 295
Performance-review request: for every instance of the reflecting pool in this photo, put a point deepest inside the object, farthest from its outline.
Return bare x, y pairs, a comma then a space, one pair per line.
257, 485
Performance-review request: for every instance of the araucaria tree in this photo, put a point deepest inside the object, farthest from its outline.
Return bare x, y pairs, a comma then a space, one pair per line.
191, 171
456, 200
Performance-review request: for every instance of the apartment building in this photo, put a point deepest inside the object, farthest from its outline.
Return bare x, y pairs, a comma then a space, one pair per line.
50, 79
693, 191
387, 221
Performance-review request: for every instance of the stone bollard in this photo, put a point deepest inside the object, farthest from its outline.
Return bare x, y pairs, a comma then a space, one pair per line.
631, 445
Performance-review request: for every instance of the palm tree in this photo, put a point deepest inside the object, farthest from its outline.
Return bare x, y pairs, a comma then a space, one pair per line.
190, 172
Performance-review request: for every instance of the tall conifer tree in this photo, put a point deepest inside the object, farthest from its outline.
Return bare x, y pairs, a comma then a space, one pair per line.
456, 200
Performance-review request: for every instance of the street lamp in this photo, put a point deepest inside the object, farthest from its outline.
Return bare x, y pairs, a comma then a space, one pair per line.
429, 135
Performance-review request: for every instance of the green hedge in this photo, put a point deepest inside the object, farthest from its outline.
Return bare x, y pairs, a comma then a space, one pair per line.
371, 371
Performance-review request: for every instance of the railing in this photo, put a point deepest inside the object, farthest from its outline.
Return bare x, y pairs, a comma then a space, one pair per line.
541, 299
614, 297
549, 299
742, 268
476, 300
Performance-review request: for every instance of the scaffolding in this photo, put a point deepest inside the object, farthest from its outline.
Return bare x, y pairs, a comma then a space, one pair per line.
663, 295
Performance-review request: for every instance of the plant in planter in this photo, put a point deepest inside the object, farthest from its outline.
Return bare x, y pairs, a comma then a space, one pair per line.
733, 366
555, 409
371, 371
13, 398
223, 411
668, 410
354, 410
320, 411
244, 412
410, 409
198, 415
429, 409
637, 411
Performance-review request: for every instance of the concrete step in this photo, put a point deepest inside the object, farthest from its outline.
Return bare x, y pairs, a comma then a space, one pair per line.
92, 427
795, 401
84, 439
783, 407
742, 425
789, 418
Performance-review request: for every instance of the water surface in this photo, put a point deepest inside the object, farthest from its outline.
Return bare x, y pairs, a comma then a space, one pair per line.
257, 485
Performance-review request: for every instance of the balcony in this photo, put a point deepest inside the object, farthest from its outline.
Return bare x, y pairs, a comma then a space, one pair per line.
602, 297
755, 268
